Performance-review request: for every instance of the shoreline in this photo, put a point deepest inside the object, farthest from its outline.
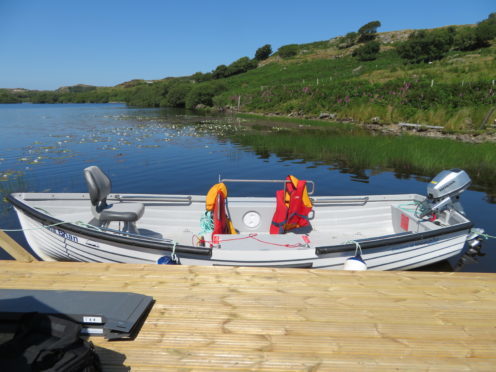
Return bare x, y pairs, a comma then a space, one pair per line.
379, 129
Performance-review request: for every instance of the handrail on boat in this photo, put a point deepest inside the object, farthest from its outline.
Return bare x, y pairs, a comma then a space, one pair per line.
326, 201
310, 192
172, 199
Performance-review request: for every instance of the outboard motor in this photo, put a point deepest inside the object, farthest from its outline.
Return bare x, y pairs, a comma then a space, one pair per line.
443, 192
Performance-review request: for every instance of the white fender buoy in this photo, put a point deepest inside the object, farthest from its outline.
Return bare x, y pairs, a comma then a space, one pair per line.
355, 264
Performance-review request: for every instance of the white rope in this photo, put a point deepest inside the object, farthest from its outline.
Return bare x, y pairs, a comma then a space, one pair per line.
357, 246
173, 254
87, 225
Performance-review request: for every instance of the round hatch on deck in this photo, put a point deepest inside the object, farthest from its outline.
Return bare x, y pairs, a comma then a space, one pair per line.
251, 219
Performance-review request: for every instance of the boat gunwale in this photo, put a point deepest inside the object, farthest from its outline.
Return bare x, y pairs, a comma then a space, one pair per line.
49, 220
370, 243
393, 240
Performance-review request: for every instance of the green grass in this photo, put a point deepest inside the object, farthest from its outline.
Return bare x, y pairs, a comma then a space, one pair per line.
331, 126
456, 92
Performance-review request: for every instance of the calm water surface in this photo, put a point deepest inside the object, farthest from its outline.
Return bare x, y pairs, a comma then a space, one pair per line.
46, 148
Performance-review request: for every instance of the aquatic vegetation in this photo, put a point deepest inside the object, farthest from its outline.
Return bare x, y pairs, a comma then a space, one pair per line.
410, 154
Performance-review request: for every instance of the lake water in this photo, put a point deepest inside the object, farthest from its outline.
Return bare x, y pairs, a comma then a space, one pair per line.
46, 147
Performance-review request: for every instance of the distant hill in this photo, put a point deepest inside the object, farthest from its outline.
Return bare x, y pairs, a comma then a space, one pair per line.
79, 88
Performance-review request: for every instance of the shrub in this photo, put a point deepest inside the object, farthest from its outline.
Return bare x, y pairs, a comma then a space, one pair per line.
204, 94
142, 95
176, 97
487, 28
367, 52
199, 77
466, 39
219, 72
287, 51
469, 38
239, 66
423, 46
263, 53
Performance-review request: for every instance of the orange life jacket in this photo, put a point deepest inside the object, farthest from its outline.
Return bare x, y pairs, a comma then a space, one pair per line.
216, 203
292, 206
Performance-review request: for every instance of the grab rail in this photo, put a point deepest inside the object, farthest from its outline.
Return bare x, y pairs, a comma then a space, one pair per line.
172, 199
326, 201
266, 181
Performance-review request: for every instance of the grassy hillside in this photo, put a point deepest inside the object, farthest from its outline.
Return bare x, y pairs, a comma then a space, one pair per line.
439, 77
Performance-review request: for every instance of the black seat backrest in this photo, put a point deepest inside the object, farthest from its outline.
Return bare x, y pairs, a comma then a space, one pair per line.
99, 184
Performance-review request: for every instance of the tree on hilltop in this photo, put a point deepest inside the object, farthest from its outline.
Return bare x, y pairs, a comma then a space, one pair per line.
263, 53
368, 32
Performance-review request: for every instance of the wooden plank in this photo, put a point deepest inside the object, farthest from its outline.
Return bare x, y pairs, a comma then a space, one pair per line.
17, 252
232, 318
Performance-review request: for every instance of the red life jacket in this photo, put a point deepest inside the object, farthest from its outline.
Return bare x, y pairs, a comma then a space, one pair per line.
219, 214
216, 203
292, 207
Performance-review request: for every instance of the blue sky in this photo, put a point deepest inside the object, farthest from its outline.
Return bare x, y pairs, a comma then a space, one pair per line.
45, 44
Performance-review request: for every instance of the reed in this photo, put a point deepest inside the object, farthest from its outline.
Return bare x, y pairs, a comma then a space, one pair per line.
411, 154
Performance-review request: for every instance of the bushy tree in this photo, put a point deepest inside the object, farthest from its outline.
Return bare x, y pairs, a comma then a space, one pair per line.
488, 27
239, 66
204, 94
219, 72
471, 38
287, 51
176, 97
46, 96
466, 39
142, 95
199, 77
424, 46
263, 53
368, 51
368, 31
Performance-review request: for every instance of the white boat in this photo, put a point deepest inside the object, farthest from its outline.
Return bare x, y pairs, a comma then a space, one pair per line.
392, 232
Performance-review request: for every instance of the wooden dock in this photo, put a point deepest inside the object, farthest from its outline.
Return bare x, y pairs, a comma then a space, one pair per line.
226, 318
16, 251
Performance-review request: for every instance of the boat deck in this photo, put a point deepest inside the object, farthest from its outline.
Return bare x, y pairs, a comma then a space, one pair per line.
228, 318
334, 220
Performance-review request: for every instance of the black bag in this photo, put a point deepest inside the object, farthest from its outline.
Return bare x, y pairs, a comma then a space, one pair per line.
48, 343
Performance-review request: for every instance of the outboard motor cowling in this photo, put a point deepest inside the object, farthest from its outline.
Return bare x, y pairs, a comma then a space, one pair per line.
448, 183
444, 191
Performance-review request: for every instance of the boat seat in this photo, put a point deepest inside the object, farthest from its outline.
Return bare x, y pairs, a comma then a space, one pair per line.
99, 186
